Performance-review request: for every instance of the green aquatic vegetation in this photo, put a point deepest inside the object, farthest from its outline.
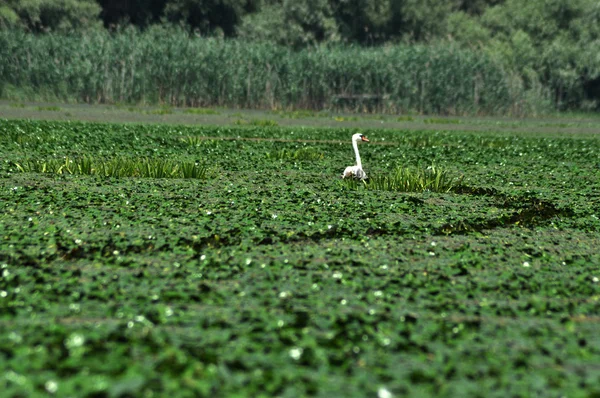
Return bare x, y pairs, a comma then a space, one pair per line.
298, 114
441, 121
53, 108
407, 179
346, 118
193, 170
309, 153
274, 277
117, 167
201, 111
166, 110
256, 122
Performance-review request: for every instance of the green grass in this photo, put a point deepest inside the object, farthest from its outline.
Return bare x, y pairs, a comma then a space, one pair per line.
257, 122
309, 154
202, 111
161, 111
49, 108
118, 167
271, 276
403, 179
298, 114
441, 121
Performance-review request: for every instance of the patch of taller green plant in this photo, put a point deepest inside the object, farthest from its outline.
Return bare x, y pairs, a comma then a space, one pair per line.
407, 179
117, 167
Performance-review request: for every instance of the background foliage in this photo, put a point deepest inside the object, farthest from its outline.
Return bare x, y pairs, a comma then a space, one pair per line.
551, 47
165, 66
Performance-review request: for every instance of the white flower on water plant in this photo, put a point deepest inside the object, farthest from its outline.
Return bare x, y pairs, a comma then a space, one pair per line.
384, 393
75, 340
296, 353
273, 216
51, 386
525, 264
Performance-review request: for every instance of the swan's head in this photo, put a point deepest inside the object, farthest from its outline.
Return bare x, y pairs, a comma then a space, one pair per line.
360, 137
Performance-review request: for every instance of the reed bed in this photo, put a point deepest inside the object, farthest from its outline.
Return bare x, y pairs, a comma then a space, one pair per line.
172, 68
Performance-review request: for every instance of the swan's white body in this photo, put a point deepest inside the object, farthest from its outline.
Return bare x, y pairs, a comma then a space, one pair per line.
357, 170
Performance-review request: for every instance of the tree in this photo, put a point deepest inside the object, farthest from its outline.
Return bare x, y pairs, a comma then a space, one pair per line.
295, 23
421, 20
209, 17
555, 42
140, 13
363, 21
49, 15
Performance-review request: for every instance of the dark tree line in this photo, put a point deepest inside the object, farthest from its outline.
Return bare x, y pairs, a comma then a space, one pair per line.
296, 22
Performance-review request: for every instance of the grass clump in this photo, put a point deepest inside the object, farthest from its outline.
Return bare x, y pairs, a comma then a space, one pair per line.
257, 122
404, 179
166, 110
48, 108
345, 118
117, 167
298, 154
297, 114
441, 121
200, 141
201, 111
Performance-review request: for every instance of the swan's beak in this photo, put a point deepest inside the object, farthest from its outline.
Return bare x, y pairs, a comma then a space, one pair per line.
365, 139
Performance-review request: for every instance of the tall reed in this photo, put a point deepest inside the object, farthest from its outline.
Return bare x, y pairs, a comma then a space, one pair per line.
168, 66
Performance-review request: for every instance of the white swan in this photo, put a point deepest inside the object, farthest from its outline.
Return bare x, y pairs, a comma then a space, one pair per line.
356, 171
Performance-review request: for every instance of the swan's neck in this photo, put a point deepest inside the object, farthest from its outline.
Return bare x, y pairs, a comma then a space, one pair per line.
355, 145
